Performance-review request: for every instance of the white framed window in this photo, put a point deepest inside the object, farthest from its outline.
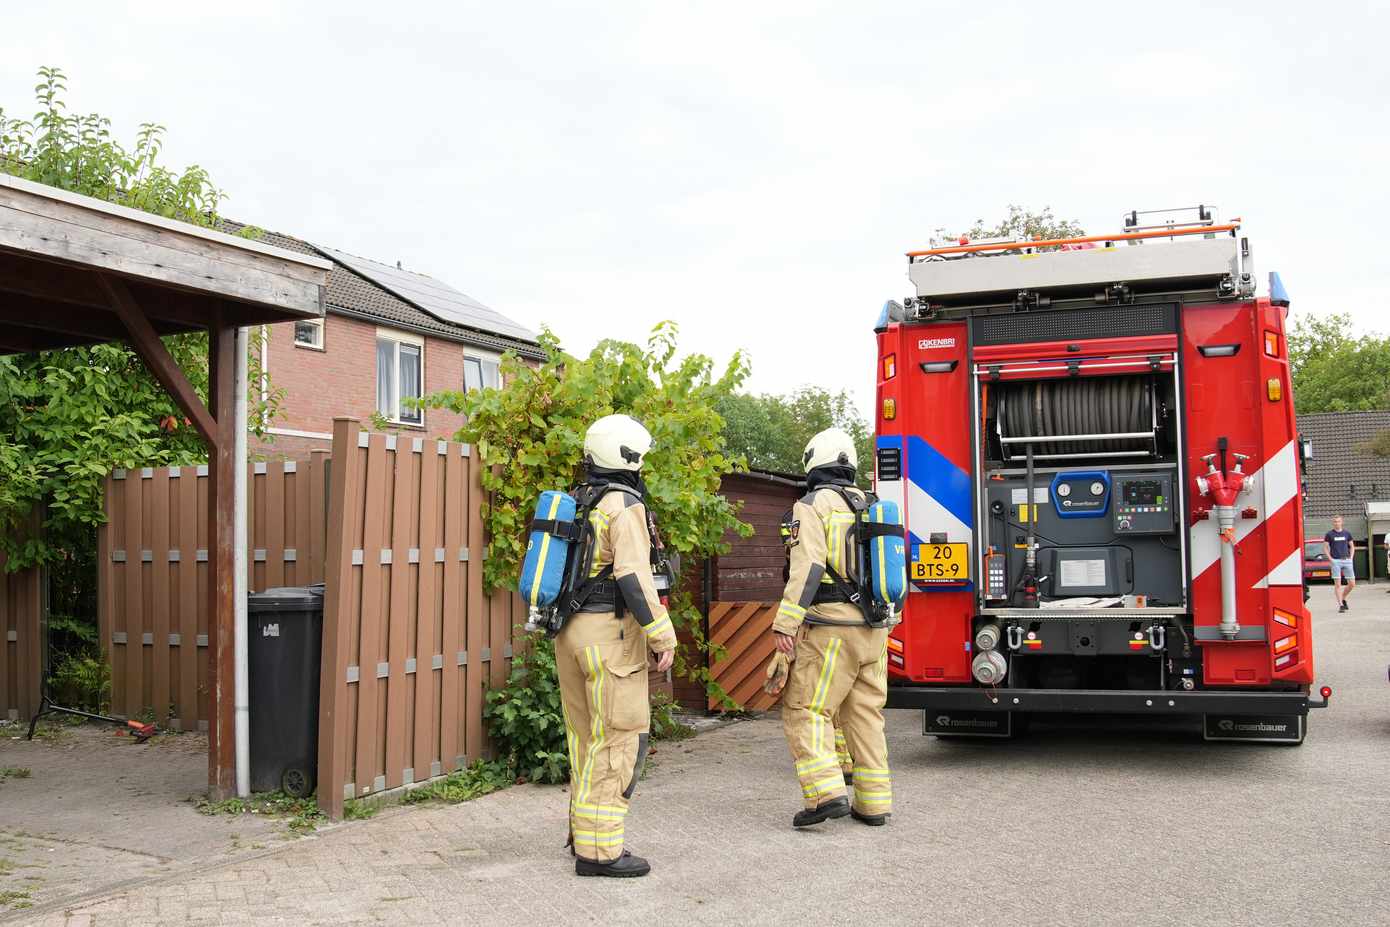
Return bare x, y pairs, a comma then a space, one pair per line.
400, 376
308, 333
481, 370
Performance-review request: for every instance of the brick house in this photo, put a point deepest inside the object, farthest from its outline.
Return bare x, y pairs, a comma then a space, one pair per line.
1342, 479
387, 334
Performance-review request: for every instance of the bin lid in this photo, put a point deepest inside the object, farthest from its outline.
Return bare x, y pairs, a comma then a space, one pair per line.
286, 598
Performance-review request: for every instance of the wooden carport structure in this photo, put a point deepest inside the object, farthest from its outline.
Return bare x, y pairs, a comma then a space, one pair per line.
76, 270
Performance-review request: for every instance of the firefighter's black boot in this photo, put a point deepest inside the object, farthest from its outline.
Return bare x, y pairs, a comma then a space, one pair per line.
626, 866
873, 820
835, 808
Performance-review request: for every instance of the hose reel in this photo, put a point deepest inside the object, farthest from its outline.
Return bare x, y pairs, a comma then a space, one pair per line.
1079, 417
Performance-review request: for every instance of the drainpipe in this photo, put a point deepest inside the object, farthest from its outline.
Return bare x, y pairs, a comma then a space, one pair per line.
242, 726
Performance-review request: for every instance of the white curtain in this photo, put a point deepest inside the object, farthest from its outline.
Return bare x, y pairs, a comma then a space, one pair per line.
410, 382
386, 378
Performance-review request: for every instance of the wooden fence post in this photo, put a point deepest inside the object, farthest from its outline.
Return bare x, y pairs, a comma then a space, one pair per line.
334, 737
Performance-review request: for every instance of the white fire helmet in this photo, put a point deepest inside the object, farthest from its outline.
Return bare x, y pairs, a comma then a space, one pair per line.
831, 448
617, 442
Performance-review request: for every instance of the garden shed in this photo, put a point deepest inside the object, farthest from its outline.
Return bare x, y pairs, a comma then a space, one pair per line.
726, 588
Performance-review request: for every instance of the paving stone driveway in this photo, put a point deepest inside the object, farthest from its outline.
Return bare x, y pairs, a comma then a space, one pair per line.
1075, 824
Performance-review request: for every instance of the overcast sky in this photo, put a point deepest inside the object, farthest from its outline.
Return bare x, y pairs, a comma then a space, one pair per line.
752, 170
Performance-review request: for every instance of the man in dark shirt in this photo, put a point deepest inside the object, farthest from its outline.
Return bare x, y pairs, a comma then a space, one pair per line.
1340, 549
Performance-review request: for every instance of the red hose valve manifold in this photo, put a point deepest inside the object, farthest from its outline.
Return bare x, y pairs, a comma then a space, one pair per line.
1223, 488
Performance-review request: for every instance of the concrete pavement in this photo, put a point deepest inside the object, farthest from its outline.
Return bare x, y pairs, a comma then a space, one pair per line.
1078, 823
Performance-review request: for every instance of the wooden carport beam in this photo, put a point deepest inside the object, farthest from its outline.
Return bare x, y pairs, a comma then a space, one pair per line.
157, 357
222, 560
216, 423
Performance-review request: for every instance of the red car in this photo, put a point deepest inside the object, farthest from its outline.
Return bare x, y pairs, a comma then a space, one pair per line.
1315, 562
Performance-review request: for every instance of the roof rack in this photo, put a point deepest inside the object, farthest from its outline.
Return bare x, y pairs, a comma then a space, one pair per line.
1201, 255
1029, 245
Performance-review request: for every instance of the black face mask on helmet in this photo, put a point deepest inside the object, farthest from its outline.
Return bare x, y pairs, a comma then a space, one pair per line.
830, 475
629, 478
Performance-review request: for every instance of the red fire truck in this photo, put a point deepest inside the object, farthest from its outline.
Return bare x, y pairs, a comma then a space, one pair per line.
1093, 443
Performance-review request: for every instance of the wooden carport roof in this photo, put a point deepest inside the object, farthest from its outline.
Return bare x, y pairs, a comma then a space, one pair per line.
76, 270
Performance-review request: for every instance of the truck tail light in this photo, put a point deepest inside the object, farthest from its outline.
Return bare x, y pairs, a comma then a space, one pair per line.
890, 410
1275, 389
1271, 344
890, 366
1287, 619
1286, 643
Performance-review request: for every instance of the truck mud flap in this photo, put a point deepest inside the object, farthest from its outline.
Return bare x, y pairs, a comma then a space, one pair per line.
1270, 729
963, 723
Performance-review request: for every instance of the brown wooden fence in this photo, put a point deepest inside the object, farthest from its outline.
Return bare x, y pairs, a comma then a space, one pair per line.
410, 640
743, 630
21, 641
153, 574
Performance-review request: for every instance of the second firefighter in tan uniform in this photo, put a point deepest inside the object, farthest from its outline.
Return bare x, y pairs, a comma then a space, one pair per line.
839, 663
601, 657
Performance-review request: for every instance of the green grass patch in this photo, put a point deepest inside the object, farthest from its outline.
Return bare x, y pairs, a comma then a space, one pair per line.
301, 815
360, 809
15, 900
482, 778
14, 772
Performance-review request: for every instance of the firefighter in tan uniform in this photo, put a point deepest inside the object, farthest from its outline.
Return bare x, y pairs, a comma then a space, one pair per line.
601, 654
839, 666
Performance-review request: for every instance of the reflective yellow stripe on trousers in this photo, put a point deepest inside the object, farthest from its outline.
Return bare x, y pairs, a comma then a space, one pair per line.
594, 661
823, 758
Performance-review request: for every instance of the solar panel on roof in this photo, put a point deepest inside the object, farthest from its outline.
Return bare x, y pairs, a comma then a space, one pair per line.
438, 299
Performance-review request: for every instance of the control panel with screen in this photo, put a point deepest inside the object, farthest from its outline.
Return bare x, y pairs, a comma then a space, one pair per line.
1144, 504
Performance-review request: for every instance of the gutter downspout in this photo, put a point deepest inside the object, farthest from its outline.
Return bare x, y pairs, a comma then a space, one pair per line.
242, 725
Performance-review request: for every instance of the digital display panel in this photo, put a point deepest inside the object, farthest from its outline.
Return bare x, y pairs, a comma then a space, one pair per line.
1142, 492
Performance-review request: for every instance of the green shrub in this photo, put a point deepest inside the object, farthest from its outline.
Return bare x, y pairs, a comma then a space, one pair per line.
526, 718
82, 680
528, 437
466, 784
665, 724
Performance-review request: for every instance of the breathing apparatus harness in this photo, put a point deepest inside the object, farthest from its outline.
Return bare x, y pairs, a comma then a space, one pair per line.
857, 591
580, 591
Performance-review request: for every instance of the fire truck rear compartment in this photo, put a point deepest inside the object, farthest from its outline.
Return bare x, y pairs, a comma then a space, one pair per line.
1083, 471
1104, 508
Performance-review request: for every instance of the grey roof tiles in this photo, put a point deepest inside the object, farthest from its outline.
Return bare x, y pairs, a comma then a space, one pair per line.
1341, 479
370, 290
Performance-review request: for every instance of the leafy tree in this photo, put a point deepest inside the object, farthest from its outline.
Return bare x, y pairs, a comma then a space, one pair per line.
1021, 224
529, 437
772, 431
1335, 370
68, 417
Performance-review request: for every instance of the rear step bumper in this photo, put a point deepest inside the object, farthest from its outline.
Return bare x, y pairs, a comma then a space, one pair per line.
1106, 701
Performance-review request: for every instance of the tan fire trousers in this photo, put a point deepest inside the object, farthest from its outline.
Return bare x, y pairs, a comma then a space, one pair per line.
839, 672
602, 665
